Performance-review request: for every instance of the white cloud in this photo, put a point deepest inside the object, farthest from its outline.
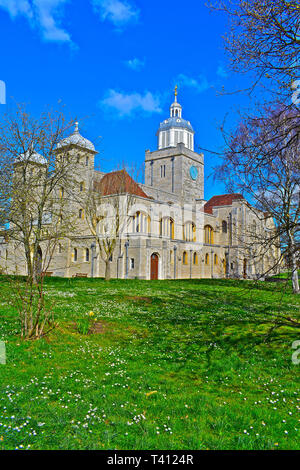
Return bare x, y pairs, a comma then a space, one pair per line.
221, 71
128, 104
16, 7
48, 14
44, 15
118, 12
200, 84
135, 64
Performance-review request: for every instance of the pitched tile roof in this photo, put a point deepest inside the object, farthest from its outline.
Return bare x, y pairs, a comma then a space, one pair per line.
118, 182
222, 200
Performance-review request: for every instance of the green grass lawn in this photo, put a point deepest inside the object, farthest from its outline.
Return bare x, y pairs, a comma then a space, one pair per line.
173, 365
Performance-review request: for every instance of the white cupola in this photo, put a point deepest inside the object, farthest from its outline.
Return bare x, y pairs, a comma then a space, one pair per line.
175, 130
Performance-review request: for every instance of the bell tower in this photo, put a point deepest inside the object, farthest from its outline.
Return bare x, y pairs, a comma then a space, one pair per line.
175, 167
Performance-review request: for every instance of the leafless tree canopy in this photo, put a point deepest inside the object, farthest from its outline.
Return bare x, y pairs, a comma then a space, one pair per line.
264, 38
107, 205
258, 163
30, 205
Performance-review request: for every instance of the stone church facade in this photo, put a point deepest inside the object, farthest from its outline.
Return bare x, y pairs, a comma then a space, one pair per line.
171, 231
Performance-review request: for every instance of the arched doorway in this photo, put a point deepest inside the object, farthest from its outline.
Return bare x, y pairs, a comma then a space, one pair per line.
154, 266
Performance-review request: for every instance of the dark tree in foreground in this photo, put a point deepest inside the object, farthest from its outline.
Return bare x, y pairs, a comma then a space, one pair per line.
258, 164
31, 207
264, 38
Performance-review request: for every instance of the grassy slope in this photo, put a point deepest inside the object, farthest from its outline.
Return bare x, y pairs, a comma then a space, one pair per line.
197, 345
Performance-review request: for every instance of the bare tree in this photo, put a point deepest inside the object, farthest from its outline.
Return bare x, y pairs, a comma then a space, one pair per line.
107, 206
263, 39
34, 213
256, 164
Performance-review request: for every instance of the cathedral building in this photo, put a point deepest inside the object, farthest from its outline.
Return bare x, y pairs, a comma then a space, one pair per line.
171, 231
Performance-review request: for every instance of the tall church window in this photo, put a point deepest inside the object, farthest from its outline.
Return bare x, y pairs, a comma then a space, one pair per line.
184, 257
75, 254
207, 259
163, 171
224, 226
138, 222
189, 232
166, 227
151, 170
195, 258
208, 235
216, 259
173, 174
81, 186
87, 254
141, 223
86, 161
81, 214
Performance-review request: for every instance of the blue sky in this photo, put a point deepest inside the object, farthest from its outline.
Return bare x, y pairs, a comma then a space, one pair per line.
114, 64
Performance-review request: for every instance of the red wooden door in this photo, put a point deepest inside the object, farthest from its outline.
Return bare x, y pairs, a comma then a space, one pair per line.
154, 266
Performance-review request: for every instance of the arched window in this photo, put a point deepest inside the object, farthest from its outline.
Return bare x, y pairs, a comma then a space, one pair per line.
81, 214
87, 254
59, 248
189, 232
224, 226
82, 186
184, 258
224, 265
207, 258
166, 227
208, 235
87, 161
171, 257
141, 223
61, 193
172, 229
75, 254
216, 259
195, 258
138, 222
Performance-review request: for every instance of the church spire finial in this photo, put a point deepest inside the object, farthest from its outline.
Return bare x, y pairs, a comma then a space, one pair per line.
176, 93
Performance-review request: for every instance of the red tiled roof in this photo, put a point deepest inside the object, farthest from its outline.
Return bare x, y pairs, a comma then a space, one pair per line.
223, 200
118, 182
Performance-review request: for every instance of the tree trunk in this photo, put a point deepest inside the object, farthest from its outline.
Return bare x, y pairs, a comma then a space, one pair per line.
107, 270
295, 278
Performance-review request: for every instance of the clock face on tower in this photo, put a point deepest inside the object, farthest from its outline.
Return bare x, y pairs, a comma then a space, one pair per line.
194, 173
